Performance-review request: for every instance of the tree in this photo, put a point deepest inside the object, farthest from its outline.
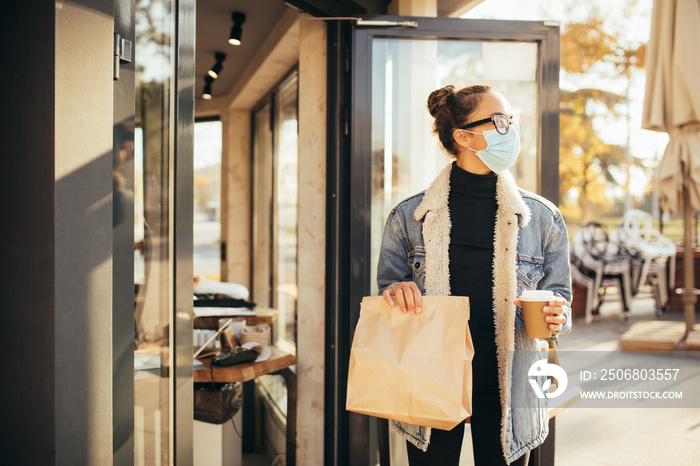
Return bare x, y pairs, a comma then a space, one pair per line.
588, 49
584, 157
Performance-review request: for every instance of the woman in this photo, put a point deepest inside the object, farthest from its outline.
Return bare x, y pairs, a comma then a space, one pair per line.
475, 233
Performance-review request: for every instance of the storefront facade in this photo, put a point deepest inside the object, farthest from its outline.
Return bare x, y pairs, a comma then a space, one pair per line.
322, 133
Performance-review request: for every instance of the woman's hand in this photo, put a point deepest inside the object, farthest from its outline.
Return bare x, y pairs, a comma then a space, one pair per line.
407, 295
554, 313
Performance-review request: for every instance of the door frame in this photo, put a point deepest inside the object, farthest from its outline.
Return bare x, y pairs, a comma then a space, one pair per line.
348, 435
180, 155
182, 202
123, 246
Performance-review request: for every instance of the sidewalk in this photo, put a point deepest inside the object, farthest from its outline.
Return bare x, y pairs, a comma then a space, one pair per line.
616, 436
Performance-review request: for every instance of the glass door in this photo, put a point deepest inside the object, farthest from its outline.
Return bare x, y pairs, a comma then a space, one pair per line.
153, 231
395, 71
162, 232
405, 154
392, 150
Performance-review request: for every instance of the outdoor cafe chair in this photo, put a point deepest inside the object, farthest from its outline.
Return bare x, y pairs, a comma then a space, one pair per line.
580, 276
595, 256
653, 255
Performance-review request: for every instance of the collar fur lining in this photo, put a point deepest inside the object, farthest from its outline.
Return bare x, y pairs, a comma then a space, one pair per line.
437, 196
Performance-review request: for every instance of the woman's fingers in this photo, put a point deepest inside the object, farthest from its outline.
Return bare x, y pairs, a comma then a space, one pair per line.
387, 296
555, 312
556, 321
557, 302
417, 296
400, 299
406, 295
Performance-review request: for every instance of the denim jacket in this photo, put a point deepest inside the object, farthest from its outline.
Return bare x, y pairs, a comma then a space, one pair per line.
530, 252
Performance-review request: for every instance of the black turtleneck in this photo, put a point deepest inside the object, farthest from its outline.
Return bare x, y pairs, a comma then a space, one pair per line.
473, 208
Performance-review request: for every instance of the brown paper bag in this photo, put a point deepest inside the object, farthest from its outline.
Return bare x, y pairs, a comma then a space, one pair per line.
413, 368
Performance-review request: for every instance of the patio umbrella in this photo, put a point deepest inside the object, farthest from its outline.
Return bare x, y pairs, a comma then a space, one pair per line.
672, 104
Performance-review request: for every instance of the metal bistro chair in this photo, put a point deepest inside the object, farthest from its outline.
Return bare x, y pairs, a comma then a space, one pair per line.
603, 261
582, 276
653, 255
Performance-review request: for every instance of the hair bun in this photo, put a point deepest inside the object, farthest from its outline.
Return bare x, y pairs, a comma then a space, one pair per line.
438, 99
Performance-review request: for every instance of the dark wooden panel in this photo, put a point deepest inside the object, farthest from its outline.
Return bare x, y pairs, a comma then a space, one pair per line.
675, 302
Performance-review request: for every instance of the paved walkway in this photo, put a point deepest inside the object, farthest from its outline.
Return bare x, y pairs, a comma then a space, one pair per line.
632, 436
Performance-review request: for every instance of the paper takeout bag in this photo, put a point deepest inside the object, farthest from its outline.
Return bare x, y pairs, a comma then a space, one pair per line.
413, 368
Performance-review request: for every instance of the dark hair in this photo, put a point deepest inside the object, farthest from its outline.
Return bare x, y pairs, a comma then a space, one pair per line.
452, 108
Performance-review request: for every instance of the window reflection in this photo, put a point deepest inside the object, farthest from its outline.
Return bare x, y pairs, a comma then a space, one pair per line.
275, 213
285, 207
275, 199
406, 156
153, 232
262, 205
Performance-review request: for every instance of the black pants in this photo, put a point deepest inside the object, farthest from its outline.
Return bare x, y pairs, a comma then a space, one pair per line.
445, 446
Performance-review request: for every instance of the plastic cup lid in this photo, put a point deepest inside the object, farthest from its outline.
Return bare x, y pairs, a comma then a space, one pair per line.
537, 295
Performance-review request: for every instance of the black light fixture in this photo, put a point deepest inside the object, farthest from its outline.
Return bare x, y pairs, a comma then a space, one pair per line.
216, 69
237, 29
206, 95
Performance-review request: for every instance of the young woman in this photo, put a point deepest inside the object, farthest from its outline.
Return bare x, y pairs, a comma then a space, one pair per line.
475, 233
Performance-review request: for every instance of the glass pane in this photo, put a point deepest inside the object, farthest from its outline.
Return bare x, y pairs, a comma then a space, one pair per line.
275, 194
406, 156
262, 205
153, 232
207, 199
285, 207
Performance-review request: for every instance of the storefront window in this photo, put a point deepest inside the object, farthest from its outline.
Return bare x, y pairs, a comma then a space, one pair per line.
275, 208
207, 199
285, 207
275, 199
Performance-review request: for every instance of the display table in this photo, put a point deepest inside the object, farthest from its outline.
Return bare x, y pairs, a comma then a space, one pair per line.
279, 363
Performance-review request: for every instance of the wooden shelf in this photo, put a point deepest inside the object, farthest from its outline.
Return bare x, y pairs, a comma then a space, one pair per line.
244, 372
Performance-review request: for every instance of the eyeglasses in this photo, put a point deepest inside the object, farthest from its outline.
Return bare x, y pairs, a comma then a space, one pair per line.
500, 122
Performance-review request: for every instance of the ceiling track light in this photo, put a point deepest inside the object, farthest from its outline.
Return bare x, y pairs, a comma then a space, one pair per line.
206, 95
238, 19
218, 66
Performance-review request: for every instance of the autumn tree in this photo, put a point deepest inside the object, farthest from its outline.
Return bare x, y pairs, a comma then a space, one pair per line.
588, 49
584, 157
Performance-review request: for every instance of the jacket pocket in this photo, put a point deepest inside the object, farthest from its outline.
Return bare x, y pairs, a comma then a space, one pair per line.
530, 272
416, 259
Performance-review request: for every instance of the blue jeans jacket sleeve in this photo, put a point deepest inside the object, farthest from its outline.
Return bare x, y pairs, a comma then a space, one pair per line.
393, 266
557, 272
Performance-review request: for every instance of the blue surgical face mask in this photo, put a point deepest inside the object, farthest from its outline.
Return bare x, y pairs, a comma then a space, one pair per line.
501, 149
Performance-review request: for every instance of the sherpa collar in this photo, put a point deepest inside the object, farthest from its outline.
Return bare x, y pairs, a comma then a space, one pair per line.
437, 196
511, 214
